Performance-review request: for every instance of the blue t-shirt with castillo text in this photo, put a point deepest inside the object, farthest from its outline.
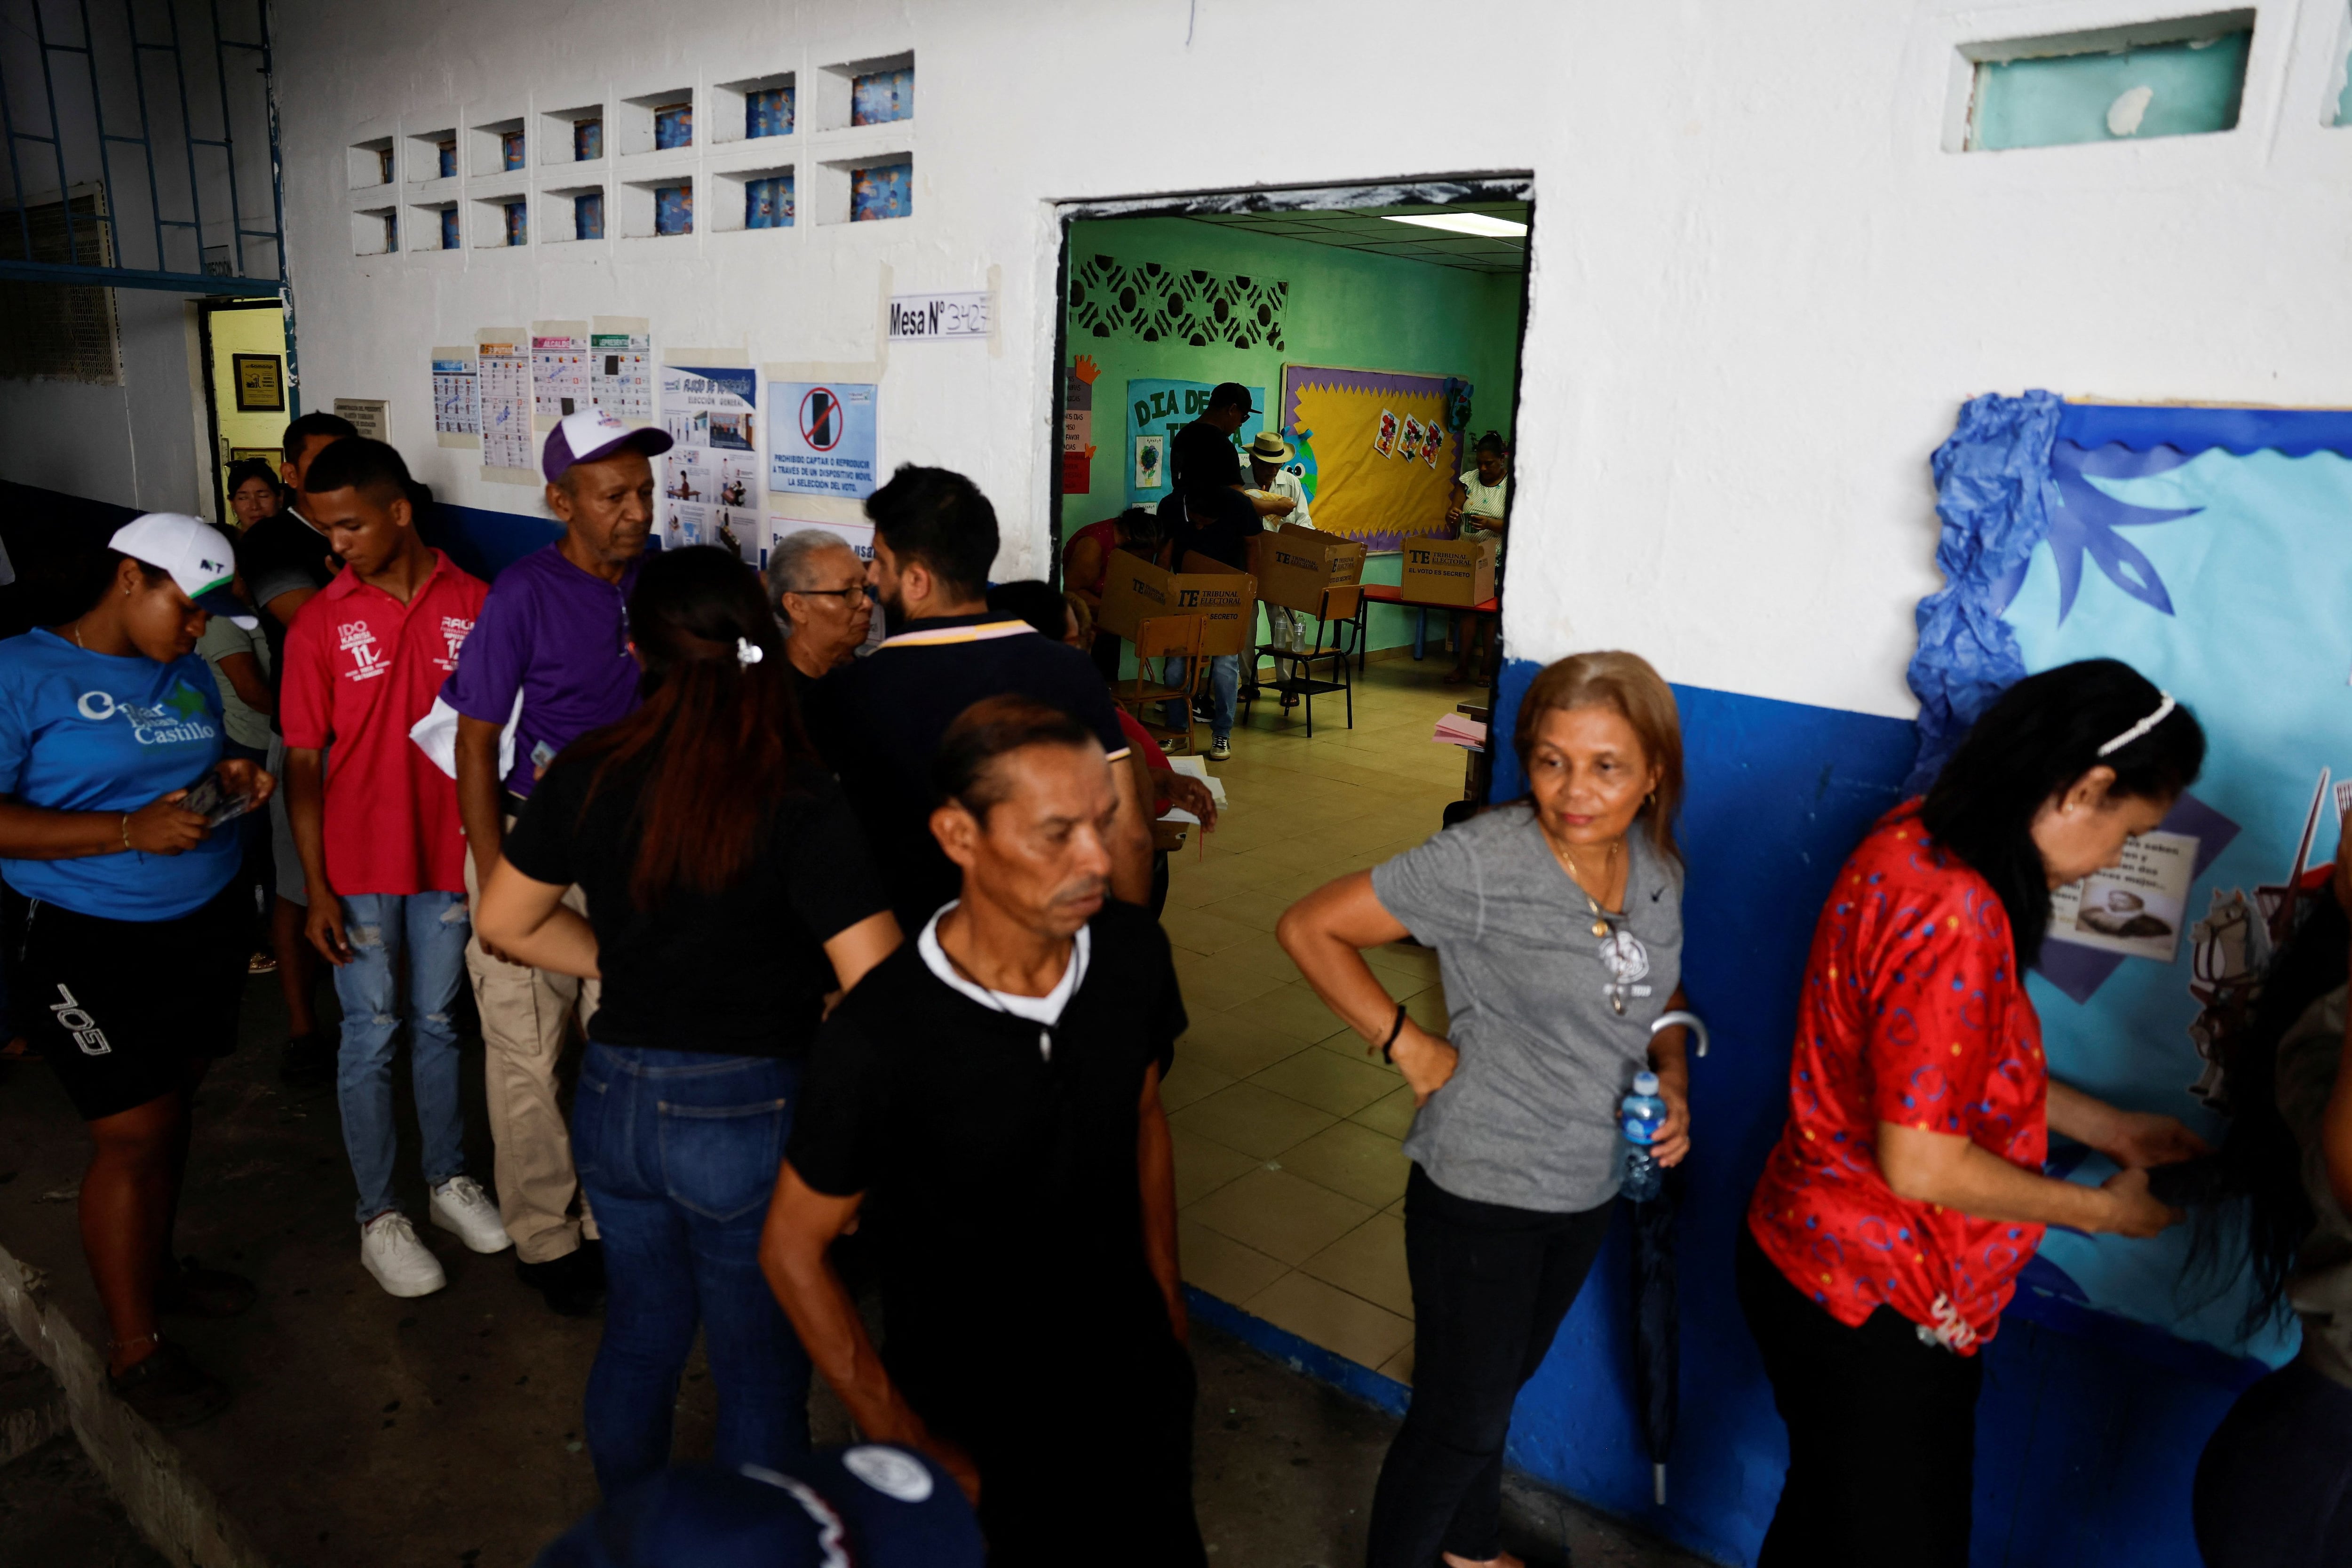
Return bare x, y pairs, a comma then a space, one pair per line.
95, 731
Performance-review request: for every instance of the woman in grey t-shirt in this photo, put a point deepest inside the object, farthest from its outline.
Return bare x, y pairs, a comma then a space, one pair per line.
1558, 925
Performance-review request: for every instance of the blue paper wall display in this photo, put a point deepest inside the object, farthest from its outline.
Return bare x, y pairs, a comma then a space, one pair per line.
768, 113
2208, 549
882, 191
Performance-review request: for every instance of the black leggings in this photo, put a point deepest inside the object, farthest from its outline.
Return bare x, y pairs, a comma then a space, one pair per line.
1882, 1431
1490, 1285
2274, 1487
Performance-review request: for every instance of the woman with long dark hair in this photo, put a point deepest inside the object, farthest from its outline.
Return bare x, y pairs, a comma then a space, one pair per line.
2275, 1486
1907, 1192
1557, 924
728, 895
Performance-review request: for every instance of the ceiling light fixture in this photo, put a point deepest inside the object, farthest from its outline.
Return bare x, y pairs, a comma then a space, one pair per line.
1480, 224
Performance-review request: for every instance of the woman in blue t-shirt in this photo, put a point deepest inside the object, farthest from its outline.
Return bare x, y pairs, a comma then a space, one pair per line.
123, 920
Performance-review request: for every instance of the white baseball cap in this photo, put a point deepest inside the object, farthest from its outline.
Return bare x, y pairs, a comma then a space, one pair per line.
592, 435
194, 552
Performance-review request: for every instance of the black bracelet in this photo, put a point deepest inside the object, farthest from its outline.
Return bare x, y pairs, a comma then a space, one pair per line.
1395, 1029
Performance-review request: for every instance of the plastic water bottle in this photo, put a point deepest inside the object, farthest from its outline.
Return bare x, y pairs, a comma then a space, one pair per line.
1639, 1117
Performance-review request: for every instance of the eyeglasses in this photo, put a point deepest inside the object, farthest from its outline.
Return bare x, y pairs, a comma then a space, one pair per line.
863, 590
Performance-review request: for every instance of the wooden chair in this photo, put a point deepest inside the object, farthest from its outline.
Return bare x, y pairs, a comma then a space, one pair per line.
1295, 672
1164, 637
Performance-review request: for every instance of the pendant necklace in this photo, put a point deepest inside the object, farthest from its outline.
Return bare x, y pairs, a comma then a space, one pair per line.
1609, 867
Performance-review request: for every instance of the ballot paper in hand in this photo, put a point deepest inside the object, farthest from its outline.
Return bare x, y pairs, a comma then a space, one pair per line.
1195, 767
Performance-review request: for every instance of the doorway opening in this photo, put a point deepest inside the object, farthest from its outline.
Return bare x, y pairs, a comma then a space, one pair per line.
1376, 330
247, 393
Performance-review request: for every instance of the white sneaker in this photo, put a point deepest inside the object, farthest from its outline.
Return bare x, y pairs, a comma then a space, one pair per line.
389, 1248
460, 1206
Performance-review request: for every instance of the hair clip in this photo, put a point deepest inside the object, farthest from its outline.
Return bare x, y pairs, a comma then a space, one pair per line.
2163, 710
748, 652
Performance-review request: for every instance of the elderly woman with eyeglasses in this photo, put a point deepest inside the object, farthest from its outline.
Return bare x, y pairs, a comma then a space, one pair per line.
817, 587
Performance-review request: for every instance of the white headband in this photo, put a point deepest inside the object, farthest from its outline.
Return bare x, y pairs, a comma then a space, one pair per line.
2143, 727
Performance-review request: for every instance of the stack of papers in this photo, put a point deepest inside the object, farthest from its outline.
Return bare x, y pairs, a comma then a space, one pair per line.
1459, 729
1194, 767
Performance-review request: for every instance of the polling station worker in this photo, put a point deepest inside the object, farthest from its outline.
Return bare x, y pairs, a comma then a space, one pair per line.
1271, 480
1086, 568
1562, 915
1907, 1192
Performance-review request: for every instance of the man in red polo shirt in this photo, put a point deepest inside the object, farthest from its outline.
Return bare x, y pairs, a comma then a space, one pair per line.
376, 824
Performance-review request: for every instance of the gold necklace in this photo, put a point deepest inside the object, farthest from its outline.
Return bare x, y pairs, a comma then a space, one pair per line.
1607, 869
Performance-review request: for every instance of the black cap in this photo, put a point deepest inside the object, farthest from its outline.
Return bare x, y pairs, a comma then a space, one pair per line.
1230, 394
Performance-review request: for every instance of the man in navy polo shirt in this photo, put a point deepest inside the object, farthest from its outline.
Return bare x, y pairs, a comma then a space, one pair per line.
549, 658
878, 720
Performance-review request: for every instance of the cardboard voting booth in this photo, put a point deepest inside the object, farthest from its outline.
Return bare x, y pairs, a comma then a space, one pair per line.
1136, 591
1448, 571
1293, 565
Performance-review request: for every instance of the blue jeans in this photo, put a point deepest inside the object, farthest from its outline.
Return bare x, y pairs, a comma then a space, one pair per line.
432, 928
677, 1151
1224, 691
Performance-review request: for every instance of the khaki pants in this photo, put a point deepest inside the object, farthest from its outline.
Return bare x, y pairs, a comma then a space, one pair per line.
525, 1015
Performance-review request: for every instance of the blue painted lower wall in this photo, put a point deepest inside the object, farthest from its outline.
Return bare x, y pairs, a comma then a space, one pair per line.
2089, 1431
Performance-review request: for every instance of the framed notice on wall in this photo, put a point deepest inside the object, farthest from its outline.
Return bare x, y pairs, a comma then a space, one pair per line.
260, 383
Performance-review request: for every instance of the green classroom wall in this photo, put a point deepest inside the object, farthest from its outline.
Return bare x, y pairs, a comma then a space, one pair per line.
1346, 308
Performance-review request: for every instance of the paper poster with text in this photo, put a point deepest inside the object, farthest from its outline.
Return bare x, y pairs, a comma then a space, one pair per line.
822, 441
457, 405
2134, 909
505, 393
711, 478
620, 375
559, 375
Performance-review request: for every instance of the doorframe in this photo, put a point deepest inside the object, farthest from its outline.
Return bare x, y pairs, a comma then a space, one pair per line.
218, 469
1425, 190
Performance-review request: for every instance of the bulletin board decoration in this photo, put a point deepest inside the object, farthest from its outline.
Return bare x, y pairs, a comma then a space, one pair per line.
1158, 406
1377, 444
2206, 548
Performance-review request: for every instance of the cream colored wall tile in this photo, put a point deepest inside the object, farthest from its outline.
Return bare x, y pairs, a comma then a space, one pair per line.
1369, 1261
1221, 1266
1257, 1121
1252, 908
1280, 1214
1198, 931
1203, 1166
1296, 1010
1354, 1159
1327, 1080
1325, 1315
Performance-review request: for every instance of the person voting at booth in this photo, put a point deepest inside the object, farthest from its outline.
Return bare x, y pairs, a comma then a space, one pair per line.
1477, 512
1271, 480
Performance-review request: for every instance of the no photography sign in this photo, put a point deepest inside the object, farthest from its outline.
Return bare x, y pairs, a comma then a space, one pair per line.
822, 437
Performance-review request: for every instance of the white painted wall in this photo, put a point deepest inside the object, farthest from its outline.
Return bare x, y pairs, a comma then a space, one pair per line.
138, 444
1761, 285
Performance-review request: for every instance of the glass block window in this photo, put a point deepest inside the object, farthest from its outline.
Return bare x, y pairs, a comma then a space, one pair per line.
587, 140
768, 203
510, 150
674, 209
882, 189
881, 97
588, 216
449, 240
445, 160
673, 126
517, 222
768, 113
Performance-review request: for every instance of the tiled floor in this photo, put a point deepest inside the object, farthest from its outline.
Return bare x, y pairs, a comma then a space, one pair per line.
1289, 1181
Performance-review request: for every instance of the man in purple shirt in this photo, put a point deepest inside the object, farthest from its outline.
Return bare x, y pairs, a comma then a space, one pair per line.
553, 634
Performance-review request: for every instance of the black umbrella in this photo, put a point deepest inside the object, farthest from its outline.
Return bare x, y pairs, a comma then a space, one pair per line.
1657, 1313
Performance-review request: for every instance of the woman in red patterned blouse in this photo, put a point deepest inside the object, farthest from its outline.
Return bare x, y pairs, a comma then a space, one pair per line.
1906, 1190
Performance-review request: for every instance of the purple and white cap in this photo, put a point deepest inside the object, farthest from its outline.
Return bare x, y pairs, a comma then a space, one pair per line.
592, 435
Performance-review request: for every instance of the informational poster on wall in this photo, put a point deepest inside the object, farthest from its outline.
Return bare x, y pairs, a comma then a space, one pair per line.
1156, 409
456, 400
822, 440
1078, 427
859, 536
710, 483
502, 361
559, 370
621, 367
1373, 450
371, 417
2206, 548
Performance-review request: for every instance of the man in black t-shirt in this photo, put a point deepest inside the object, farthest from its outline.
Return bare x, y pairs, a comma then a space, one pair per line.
993, 1086
283, 561
878, 720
